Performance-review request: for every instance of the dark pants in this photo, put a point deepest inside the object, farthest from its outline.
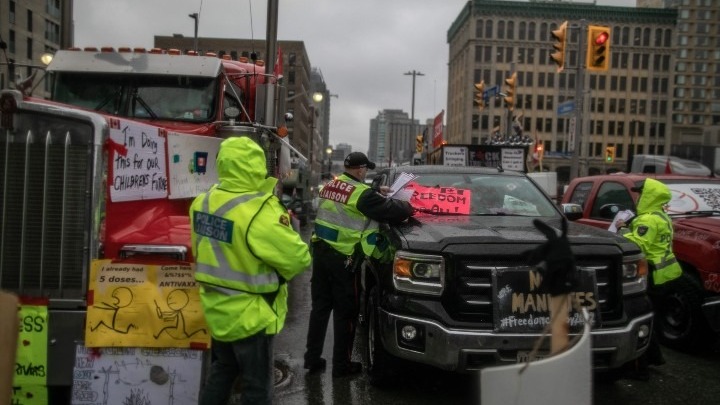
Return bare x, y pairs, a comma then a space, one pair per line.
333, 289
252, 359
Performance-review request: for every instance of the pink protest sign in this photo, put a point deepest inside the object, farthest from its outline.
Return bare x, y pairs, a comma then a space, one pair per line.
448, 200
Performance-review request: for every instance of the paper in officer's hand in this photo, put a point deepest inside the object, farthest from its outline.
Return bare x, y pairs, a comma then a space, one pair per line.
400, 182
624, 216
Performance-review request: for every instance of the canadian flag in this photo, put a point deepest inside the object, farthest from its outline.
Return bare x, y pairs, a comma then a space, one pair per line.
668, 169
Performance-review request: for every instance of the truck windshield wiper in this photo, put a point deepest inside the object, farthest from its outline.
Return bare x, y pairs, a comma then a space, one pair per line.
109, 98
138, 99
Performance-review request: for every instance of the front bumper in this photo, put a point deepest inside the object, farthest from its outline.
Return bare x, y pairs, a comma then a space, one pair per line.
467, 350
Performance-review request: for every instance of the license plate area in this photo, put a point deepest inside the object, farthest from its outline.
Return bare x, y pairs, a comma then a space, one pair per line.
523, 356
523, 301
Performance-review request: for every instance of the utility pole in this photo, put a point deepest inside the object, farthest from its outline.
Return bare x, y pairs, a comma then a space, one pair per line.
579, 100
412, 108
195, 17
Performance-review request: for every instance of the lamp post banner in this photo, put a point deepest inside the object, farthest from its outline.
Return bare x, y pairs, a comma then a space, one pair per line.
438, 130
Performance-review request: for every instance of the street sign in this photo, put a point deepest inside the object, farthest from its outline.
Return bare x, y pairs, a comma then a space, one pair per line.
571, 135
566, 107
491, 92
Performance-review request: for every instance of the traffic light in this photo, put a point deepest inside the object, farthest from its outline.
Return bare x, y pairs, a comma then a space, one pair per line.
598, 53
419, 143
560, 36
479, 97
539, 150
509, 98
609, 154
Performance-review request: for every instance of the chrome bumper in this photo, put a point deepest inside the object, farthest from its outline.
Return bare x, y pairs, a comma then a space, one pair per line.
467, 350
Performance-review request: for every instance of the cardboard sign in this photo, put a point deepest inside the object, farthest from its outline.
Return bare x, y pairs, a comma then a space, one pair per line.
191, 164
137, 166
136, 376
448, 200
144, 305
30, 383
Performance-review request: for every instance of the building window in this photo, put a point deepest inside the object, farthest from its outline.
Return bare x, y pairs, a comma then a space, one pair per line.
52, 32
511, 30
53, 8
29, 20
11, 42
488, 29
29, 51
11, 15
291, 77
501, 30
531, 32
522, 30
479, 28
292, 59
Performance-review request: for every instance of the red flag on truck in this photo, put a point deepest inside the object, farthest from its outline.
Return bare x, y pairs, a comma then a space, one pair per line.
277, 69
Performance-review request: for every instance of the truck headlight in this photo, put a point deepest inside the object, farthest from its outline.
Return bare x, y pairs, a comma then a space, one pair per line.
418, 273
635, 270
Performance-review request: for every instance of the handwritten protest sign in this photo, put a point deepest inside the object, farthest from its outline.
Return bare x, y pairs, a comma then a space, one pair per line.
29, 383
144, 305
191, 165
138, 161
120, 375
449, 200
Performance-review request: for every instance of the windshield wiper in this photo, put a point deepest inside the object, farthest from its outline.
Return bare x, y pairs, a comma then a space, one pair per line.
138, 99
108, 99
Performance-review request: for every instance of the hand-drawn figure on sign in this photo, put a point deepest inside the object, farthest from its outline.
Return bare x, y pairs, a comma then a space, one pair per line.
123, 297
176, 301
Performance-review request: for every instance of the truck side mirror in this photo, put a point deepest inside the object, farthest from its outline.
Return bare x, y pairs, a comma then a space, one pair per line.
572, 212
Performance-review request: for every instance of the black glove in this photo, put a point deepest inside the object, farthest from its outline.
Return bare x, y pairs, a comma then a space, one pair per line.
554, 259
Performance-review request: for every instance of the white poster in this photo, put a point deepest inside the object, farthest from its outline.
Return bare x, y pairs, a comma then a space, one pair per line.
455, 156
138, 161
132, 375
191, 164
512, 159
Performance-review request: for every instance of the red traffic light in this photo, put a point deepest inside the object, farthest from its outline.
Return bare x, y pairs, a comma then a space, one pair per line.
602, 38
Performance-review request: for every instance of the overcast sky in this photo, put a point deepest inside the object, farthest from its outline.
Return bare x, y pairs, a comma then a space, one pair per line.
363, 48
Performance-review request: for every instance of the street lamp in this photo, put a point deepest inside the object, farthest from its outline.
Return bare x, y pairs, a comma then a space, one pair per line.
412, 109
328, 152
195, 17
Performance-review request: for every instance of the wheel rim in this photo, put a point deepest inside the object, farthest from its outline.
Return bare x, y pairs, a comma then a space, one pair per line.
676, 316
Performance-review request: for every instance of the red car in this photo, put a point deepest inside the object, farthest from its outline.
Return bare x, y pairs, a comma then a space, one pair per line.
685, 316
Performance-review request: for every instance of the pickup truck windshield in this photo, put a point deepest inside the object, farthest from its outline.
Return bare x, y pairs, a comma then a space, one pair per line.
478, 194
172, 98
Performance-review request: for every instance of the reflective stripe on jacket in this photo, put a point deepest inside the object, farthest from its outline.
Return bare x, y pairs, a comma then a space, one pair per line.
339, 222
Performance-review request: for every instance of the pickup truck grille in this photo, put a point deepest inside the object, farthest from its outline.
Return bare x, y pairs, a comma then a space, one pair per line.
45, 205
471, 297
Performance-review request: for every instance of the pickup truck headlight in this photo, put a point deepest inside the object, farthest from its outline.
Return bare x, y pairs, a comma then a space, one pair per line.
635, 270
418, 273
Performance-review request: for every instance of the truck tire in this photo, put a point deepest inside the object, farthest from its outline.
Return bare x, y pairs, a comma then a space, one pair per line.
679, 321
378, 362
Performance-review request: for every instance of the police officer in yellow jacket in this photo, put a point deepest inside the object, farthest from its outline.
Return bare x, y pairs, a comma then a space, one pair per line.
345, 231
245, 250
652, 231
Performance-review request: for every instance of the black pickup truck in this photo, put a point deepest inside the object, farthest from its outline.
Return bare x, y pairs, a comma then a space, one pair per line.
453, 288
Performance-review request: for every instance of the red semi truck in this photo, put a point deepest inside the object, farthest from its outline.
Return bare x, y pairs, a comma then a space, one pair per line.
107, 169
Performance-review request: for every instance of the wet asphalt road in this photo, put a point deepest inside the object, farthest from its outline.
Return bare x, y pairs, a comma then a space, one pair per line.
685, 379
